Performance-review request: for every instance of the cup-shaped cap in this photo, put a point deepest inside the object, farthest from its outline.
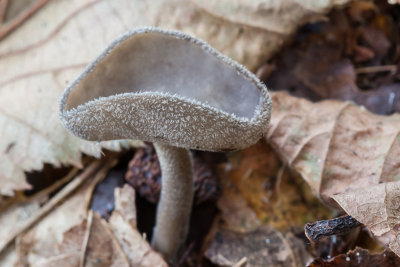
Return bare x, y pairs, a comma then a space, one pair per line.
167, 87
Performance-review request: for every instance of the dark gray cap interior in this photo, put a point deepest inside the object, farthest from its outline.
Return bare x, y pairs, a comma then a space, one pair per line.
155, 62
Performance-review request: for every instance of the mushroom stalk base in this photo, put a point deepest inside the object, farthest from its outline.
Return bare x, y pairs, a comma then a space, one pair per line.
175, 205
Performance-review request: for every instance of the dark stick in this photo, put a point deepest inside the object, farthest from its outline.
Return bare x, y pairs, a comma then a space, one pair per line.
340, 225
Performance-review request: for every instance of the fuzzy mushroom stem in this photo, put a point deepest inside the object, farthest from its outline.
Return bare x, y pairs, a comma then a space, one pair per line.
174, 207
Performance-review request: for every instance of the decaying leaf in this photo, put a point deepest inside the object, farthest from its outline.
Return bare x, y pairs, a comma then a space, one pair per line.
264, 246
255, 187
349, 56
256, 191
346, 153
334, 145
68, 34
361, 258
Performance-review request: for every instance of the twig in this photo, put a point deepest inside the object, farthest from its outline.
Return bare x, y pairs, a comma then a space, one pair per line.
241, 263
278, 182
8, 202
48, 190
340, 225
186, 254
14, 23
373, 69
100, 175
89, 223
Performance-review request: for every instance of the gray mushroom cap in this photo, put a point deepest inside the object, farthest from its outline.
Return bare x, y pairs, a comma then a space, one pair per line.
167, 87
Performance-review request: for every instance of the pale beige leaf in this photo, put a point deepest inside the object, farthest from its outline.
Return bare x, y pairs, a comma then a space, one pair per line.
40, 242
39, 59
98, 243
125, 203
8, 257
279, 17
14, 217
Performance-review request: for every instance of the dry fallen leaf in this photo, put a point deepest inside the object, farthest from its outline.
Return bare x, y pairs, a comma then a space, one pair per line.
264, 246
335, 145
260, 206
69, 33
95, 242
346, 153
70, 236
256, 187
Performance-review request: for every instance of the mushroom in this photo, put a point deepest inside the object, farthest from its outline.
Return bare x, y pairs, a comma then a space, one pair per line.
176, 91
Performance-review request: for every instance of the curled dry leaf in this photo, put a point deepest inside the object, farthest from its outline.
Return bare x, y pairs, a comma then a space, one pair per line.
73, 32
264, 246
344, 153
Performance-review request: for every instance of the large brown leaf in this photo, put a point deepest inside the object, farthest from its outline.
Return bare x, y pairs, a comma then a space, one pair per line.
345, 153
39, 59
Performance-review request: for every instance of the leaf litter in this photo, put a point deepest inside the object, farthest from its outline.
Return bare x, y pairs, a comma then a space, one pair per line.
249, 201
349, 160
